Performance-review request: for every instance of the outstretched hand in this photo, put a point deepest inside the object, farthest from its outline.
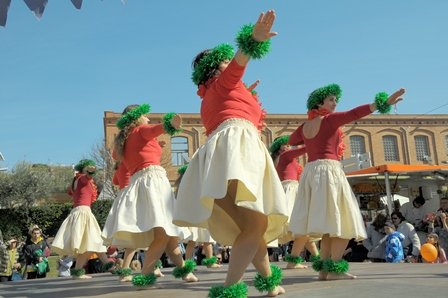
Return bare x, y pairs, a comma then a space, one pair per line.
263, 26
254, 85
395, 97
176, 121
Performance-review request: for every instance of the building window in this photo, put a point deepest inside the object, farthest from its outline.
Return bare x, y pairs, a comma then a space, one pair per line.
357, 145
179, 151
422, 148
390, 148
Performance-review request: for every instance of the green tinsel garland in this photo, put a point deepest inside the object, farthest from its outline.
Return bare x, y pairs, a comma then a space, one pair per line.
143, 280
158, 265
317, 96
381, 103
209, 261
125, 272
268, 283
181, 170
77, 272
84, 163
335, 266
210, 62
292, 259
278, 142
318, 265
108, 265
133, 115
315, 258
188, 267
238, 290
250, 46
167, 124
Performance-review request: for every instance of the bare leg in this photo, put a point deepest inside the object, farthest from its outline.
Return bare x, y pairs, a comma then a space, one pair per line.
174, 253
207, 249
325, 251
81, 261
312, 248
261, 263
155, 250
338, 247
189, 250
127, 259
297, 249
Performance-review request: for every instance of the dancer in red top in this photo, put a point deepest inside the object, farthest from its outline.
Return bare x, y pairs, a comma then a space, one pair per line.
142, 215
231, 187
326, 206
80, 234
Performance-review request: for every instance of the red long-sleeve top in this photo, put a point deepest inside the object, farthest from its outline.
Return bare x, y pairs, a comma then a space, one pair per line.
121, 176
226, 97
142, 148
288, 168
324, 145
85, 193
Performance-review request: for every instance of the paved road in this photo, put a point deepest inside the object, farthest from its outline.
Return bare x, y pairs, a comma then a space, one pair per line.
374, 280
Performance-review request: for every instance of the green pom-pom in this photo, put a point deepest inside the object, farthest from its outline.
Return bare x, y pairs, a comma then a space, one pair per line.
133, 115
125, 272
317, 96
294, 260
315, 258
77, 272
108, 266
207, 66
117, 271
181, 170
188, 267
278, 142
158, 265
335, 266
250, 46
268, 283
143, 280
238, 290
381, 103
209, 261
38, 253
167, 124
318, 265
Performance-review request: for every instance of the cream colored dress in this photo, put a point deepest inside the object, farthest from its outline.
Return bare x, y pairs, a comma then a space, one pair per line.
234, 151
290, 187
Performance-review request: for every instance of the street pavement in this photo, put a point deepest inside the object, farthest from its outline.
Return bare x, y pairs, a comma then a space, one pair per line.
374, 280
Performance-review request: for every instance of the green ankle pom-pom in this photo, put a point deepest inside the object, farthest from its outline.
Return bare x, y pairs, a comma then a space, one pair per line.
158, 265
294, 260
318, 265
314, 258
209, 261
125, 272
238, 290
143, 280
108, 266
116, 271
338, 267
250, 46
77, 272
167, 124
188, 267
381, 103
268, 283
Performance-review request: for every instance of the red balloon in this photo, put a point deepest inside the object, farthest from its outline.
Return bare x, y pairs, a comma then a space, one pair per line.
429, 252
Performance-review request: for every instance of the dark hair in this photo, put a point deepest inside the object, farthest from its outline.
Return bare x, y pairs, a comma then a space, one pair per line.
399, 215
419, 200
379, 221
210, 73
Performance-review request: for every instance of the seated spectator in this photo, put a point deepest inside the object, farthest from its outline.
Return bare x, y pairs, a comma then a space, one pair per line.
355, 252
411, 242
439, 224
394, 246
375, 243
434, 240
64, 265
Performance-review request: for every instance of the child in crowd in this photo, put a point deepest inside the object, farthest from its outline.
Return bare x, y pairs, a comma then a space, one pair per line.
433, 239
394, 246
64, 265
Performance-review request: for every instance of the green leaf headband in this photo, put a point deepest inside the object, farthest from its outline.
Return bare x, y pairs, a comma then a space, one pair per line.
317, 96
210, 62
84, 163
133, 115
181, 170
278, 142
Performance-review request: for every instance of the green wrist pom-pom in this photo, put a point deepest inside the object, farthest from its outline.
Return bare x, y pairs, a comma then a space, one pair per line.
238, 290
268, 283
108, 266
318, 265
167, 124
158, 264
294, 260
188, 267
143, 280
381, 103
315, 258
210, 261
125, 272
335, 266
77, 272
250, 46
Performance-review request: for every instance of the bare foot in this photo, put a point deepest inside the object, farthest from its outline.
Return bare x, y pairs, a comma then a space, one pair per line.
277, 291
323, 275
82, 277
214, 266
336, 276
127, 278
190, 277
295, 266
158, 272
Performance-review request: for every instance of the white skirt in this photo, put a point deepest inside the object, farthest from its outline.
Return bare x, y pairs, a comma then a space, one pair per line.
325, 203
199, 235
79, 233
234, 151
147, 203
290, 187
